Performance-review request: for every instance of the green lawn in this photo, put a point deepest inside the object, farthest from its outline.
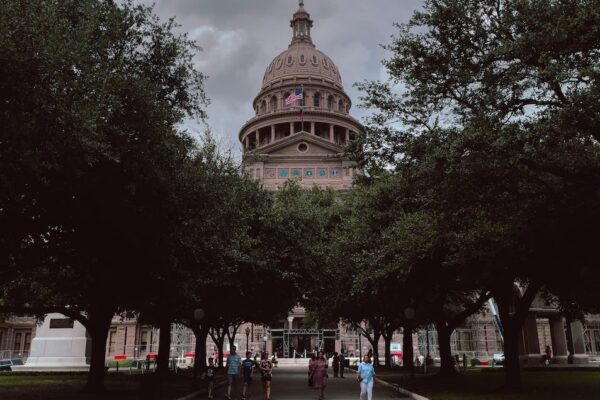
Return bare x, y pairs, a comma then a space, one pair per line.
67, 387
550, 385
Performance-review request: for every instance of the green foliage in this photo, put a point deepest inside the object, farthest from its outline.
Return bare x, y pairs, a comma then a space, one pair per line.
491, 114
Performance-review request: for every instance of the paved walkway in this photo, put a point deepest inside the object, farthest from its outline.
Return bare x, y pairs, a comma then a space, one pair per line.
290, 383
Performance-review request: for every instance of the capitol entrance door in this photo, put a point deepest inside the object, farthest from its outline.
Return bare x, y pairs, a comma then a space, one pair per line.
291, 343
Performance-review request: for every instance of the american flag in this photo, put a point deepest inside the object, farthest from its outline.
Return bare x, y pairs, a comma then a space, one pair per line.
296, 95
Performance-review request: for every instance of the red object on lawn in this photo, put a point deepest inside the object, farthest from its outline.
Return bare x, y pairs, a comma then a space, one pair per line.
192, 355
151, 356
120, 357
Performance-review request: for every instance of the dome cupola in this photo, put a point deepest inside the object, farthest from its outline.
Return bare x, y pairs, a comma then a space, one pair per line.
301, 24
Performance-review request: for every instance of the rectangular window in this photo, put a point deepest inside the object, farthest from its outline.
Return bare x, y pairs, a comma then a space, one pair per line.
17, 344
112, 341
27, 343
143, 341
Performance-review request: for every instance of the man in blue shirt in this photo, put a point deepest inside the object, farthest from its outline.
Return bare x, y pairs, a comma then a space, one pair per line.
247, 368
233, 369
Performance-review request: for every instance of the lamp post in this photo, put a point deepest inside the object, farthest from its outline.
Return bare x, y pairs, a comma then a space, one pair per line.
247, 336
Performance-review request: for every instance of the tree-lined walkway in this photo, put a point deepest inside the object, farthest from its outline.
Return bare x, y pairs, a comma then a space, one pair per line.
290, 383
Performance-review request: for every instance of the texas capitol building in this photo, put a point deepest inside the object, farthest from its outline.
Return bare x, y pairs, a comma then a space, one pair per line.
305, 141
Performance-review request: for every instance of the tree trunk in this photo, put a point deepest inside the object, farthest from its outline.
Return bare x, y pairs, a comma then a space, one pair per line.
408, 356
199, 354
388, 358
513, 310
164, 348
375, 344
220, 343
218, 337
512, 366
98, 327
446, 360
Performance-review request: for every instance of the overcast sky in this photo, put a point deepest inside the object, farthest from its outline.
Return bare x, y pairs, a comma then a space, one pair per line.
241, 37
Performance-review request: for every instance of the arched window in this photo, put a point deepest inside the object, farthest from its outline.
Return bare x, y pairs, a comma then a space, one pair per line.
317, 100
330, 103
341, 106
273, 103
263, 107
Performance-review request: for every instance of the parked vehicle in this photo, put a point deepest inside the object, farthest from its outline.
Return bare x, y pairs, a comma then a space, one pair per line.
5, 365
498, 358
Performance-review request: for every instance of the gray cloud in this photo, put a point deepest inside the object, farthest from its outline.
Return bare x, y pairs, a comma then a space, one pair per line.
240, 38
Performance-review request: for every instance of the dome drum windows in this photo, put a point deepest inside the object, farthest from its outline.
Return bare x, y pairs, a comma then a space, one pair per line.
330, 103
290, 60
317, 100
314, 60
274, 103
302, 59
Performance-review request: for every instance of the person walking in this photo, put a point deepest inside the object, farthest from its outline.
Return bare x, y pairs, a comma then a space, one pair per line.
247, 368
311, 366
336, 364
209, 377
342, 364
266, 372
319, 374
233, 370
366, 375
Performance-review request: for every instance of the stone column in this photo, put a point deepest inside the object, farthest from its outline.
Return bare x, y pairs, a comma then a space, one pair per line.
272, 133
312, 128
257, 133
347, 135
331, 138
559, 340
291, 128
247, 142
532, 354
577, 348
291, 321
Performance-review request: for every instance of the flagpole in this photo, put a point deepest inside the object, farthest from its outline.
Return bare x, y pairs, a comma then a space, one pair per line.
302, 110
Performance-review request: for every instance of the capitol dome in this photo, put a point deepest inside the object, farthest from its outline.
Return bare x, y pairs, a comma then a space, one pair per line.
302, 120
301, 59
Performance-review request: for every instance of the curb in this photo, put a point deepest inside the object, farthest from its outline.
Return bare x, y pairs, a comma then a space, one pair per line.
395, 387
192, 395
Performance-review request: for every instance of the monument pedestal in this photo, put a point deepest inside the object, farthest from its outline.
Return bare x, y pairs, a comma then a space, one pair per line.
60, 344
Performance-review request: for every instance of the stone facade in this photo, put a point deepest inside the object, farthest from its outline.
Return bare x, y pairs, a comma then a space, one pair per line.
16, 335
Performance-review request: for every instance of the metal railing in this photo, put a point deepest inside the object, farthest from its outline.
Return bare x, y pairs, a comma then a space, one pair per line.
14, 355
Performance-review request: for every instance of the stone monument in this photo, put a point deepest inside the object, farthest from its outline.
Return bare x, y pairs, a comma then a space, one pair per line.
60, 344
